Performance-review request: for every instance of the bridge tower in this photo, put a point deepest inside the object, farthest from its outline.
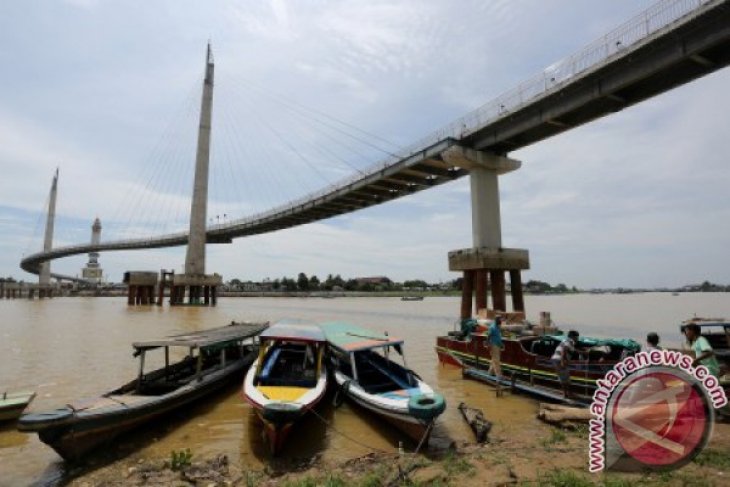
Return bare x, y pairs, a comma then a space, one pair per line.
44, 276
485, 263
199, 285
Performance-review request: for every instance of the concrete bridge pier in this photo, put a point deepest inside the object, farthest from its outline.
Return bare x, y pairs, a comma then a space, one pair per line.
140, 287
201, 290
485, 263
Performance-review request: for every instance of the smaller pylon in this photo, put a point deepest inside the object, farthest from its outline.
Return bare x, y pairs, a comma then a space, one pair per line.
44, 276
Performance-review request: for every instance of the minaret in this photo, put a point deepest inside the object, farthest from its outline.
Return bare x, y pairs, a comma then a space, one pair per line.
195, 257
44, 276
92, 272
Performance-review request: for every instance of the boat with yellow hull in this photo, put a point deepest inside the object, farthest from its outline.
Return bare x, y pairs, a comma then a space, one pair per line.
288, 379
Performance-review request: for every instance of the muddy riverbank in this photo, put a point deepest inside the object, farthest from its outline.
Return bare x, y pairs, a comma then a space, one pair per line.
541, 455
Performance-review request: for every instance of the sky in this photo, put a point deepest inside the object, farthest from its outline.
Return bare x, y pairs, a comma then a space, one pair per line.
308, 93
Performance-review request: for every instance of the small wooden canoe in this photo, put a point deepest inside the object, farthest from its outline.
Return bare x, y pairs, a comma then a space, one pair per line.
12, 404
287, 380
214, 358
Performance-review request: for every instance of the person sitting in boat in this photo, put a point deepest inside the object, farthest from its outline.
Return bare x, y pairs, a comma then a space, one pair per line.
494, 340
560, 360
652, 342
703, 352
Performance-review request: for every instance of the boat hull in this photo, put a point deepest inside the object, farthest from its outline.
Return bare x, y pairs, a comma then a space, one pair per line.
400, 417
75, 433
12, 413
277, 431
12, 404
520, 365
279, 416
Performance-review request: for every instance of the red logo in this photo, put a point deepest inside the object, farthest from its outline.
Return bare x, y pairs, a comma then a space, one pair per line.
660, 418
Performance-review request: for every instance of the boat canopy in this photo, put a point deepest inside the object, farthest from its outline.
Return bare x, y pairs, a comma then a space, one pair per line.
295, 332
626, 343
206, 338
352, 338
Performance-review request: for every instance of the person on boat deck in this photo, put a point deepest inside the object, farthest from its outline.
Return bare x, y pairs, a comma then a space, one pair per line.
494, 338
703, 353
560, 360
652, 342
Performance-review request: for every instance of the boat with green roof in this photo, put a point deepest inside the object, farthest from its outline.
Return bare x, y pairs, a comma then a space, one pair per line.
365, 367
526, 360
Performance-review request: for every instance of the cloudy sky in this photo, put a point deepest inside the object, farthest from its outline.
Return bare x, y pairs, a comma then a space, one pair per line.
309, 92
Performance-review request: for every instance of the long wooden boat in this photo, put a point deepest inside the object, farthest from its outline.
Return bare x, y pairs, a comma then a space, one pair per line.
213, 358
364, 372
12, 404
527, 366
288, 379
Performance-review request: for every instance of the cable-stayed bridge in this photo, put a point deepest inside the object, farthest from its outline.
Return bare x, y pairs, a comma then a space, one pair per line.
670, 44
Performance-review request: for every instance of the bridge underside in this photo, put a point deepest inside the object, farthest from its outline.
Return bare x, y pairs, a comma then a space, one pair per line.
699, 47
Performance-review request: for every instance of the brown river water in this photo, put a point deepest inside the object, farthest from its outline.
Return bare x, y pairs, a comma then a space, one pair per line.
74, 348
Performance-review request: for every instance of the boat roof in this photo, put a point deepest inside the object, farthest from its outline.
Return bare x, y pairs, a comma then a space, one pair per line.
706, 322
292, 331
353, 338
205, 338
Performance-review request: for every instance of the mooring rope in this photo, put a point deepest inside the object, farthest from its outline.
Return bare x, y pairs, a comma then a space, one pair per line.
354, 440
369, 447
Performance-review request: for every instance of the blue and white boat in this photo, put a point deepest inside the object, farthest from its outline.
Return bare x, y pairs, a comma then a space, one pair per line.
364, 370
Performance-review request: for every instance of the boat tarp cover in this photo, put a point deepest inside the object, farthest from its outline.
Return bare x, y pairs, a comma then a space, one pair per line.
626, 343
294, 332
206, 338
353, 338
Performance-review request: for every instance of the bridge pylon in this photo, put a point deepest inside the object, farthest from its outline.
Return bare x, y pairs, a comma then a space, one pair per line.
201, 288
44, 276
485, 263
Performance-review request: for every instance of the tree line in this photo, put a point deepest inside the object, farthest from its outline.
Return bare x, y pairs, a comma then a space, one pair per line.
337, 282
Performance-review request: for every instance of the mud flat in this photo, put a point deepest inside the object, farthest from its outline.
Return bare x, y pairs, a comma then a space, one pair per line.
543, 456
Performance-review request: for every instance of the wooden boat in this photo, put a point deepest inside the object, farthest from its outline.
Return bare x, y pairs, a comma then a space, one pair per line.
288, 378
526, 364
411, 298
213, 358
12, 404
364, 372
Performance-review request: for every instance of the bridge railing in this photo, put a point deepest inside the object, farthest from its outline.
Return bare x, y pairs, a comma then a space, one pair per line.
619, 42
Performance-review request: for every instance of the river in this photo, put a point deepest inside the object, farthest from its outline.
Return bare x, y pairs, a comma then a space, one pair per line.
73, 348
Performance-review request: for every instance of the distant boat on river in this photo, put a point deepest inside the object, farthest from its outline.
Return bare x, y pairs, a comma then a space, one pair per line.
214, 357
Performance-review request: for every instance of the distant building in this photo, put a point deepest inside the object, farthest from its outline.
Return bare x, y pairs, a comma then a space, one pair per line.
93, 272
